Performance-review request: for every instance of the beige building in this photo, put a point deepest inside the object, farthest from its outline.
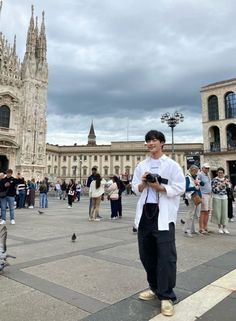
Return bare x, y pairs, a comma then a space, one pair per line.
219, 125
119, 158
23, 98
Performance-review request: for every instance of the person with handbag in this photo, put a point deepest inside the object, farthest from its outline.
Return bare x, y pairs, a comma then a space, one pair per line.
96, 191
193, 194
71, 189
219, 215
113, 195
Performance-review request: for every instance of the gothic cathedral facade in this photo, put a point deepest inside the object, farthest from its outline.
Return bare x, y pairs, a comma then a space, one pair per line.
23, 103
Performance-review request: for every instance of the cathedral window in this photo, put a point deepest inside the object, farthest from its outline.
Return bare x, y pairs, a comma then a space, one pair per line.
213, 112
230, 105
4, 116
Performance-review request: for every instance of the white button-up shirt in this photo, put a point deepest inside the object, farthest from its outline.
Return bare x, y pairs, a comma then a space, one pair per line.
169, 200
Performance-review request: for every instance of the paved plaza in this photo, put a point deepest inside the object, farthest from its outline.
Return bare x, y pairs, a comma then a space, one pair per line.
99, 276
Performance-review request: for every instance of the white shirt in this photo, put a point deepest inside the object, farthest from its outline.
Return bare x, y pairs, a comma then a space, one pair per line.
169, 200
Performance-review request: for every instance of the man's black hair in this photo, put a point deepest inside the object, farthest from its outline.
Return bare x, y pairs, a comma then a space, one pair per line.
94, 168
155, 134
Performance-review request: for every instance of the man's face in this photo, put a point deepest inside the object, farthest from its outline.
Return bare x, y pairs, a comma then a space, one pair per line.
206, 170
154, 146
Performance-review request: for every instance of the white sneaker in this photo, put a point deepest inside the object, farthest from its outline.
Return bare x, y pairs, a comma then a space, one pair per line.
225, 231
69, 206
231, 220
220, 231
97, 219
31, 206
13, 222
3, 222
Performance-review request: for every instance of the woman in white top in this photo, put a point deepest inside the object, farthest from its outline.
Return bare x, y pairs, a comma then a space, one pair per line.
96, 190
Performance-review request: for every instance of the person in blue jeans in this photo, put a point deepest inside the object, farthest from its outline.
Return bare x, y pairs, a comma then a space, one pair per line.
43, 194
21, 187
9, 183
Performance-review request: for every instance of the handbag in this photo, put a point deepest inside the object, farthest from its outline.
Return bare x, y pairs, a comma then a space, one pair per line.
196, 198
70, 192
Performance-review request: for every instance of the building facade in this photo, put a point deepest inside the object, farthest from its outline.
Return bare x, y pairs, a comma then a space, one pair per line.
219, 125
23, 101
117, 158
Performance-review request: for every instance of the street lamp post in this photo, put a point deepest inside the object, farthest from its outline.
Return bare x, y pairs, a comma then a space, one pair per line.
80, 170
172, 121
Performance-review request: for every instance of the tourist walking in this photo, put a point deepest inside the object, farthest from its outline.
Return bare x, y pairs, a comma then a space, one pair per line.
31, 188
63, 189
71, 188
21, 189
113, 196
155, 219
10, 183
91, 178
220, 201
192, 186
206, 204
78, 191
43, 189
230, 195
96, 190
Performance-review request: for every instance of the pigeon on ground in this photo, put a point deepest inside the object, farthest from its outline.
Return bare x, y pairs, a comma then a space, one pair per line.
73, 237
40, 212
182, 221
3, 248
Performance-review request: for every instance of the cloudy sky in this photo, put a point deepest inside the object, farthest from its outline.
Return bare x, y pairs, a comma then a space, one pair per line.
123, 63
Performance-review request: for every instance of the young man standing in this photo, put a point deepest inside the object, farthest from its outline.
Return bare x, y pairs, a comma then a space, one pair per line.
156, 218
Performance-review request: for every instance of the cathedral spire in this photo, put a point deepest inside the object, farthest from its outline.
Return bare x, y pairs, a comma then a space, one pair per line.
42, 41
91, 136
30, 42
14, 46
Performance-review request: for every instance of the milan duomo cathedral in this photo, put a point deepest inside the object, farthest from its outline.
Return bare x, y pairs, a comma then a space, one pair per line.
23, 97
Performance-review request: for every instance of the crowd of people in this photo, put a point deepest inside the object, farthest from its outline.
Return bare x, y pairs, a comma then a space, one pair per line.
16, 192
215, 200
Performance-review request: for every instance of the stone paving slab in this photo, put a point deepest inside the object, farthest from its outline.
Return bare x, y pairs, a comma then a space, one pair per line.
99, 276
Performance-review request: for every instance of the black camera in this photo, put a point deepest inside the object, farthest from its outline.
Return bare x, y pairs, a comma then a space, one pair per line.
152, 178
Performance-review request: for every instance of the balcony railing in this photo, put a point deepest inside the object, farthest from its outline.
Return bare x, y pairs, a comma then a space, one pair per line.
217, 149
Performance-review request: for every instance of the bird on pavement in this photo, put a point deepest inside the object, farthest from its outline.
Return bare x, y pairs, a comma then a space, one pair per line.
73, 237
40, 212
182, 221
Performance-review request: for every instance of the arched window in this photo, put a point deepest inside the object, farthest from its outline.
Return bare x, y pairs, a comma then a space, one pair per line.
214, 139
230, 105
231, 136
213, 112
4, 116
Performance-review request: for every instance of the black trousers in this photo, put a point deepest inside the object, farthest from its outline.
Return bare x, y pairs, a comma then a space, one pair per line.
157, 253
